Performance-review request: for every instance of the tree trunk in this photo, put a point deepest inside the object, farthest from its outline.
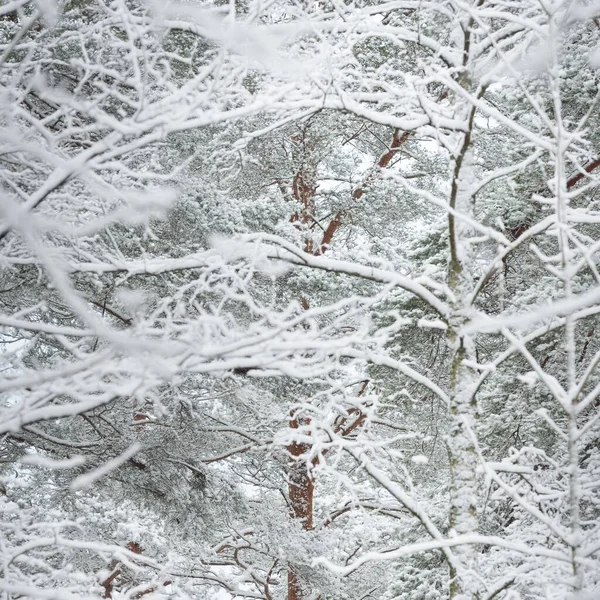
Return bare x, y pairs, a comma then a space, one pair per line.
463, 468
301, 487
301, 484
464, 585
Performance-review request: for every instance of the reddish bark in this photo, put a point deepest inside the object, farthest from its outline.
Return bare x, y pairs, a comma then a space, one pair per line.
342, 425
303, 192
135, 547
383, 162
516, 232
301, 490
329, 232
397, 142
301, 483
107, 584
579, 176
301, 486
294, 587
140, 416
150, 590
589, 337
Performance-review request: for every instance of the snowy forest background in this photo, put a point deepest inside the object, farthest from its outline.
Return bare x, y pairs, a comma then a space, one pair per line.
299, 299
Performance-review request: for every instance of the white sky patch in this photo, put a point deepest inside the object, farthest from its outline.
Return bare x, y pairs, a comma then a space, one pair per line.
595, 58
581, 12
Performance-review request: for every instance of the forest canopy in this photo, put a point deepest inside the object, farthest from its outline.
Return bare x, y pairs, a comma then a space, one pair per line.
299, 299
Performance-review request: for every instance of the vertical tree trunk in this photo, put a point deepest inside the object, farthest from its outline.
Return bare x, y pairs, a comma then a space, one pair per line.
561, 188
464, 585
463, 466
301, 489
463, 402
301, 484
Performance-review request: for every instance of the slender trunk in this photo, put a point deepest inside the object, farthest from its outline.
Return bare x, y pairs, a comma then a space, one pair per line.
461, 444
561, 187
463, 458
464, 585
463, 468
